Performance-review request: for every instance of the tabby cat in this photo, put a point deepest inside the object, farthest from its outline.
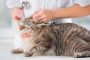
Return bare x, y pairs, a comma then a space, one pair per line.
66, 39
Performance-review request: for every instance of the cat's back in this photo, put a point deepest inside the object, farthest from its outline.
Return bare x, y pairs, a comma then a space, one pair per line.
64, 27
67, 26
67, 29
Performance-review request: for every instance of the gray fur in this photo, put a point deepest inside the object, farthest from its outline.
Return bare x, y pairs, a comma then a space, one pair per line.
66, 39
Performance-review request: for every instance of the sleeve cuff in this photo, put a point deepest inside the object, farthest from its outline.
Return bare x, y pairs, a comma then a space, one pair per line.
82, 3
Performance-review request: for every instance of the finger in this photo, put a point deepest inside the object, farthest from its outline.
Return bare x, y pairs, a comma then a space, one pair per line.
35, 12
41, 18
41, 21
34, 21
37, 15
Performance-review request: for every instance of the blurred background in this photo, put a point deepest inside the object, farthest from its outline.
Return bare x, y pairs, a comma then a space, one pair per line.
7, 35
4, 15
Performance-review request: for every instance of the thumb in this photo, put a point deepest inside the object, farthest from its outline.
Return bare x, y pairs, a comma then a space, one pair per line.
17, 18
35, 12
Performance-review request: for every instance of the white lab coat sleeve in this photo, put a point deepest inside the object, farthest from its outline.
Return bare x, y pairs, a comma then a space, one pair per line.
81, 2
13, 3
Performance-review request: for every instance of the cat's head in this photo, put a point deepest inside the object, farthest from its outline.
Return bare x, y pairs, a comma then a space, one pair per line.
28, 24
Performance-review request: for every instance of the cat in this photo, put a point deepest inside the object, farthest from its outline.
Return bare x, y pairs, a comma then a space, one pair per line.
66, 39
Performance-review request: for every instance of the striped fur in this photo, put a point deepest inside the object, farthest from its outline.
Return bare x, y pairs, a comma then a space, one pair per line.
66, 39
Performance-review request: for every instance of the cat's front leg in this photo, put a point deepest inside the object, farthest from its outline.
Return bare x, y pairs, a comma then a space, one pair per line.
17, 51
35, 51
30, 52
82, 54
27, 54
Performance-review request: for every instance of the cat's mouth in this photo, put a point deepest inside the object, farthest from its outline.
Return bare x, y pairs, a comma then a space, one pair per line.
25, 35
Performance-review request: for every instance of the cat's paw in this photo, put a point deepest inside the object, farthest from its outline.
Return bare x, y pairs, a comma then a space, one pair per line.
78, 55
27, 54
16, 51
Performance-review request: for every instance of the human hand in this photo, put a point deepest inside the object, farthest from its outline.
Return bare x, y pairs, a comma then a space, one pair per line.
16, 13
43, 15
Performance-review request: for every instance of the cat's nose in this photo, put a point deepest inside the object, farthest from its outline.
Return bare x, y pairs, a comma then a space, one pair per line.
25, 35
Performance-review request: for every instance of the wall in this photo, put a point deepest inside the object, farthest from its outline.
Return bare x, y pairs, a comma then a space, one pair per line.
4, 14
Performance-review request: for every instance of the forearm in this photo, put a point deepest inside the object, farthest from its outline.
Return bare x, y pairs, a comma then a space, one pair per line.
72, 12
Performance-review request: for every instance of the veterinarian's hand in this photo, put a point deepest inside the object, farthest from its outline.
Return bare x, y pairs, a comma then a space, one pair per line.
16, 13
43, 15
